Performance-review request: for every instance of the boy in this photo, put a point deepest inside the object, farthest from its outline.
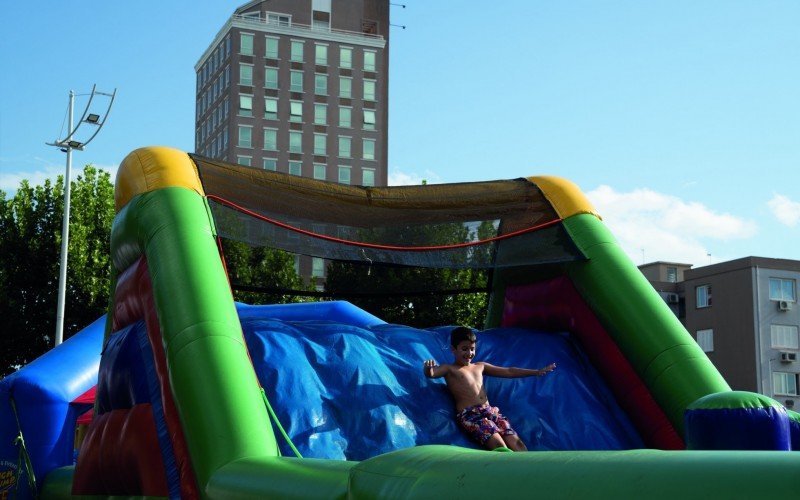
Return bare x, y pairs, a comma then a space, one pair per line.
483, 422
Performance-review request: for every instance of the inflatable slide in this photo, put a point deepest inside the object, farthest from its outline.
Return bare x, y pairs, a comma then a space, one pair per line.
196, 396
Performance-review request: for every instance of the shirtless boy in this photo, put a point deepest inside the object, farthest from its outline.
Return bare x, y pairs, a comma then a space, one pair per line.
484, 423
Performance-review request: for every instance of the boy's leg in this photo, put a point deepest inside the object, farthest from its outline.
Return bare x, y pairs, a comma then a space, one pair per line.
495, 441
513, 442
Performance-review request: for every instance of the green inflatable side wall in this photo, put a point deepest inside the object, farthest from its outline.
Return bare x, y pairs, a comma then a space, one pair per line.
213, 382
652, 338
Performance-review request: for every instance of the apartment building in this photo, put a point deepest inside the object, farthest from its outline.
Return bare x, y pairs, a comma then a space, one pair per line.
745, 316
299, 86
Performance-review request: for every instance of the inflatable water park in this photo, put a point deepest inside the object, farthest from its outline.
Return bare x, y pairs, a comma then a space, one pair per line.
181, 392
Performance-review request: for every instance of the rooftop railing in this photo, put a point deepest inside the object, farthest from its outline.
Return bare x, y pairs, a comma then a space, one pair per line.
273, 23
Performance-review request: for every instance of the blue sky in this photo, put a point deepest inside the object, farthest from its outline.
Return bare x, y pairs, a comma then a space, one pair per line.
679, 119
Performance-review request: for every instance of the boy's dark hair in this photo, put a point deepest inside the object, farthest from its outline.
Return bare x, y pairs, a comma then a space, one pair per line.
460, 334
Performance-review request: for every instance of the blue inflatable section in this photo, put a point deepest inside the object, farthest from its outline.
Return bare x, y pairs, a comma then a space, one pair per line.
353, 388
41, 393
344, 384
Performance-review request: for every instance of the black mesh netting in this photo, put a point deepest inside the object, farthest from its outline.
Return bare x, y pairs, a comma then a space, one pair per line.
416, 240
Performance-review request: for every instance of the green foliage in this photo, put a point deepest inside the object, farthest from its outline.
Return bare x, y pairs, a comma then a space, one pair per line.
261, 267
30, 246
420, 310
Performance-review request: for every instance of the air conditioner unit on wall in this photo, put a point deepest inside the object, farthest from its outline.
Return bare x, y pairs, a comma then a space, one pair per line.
784, 305
788, 357
673, 298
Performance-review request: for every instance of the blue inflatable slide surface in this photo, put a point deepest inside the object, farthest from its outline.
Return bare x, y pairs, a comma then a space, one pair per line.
344, 385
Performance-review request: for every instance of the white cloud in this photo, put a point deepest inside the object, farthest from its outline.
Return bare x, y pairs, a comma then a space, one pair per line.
400, 178
785, 210
9, 181
665, 227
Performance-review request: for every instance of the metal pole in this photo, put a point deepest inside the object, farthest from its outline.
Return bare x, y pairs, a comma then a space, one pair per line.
62, 273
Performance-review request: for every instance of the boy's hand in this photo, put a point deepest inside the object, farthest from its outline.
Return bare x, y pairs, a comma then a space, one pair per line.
428, 366
547, 369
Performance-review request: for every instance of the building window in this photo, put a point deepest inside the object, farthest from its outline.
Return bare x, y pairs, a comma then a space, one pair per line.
296, 81
369, 119
297, 51
345, 57
320, 144
246, 75
369, 61
672, 274
246, 44
279, 19
321, 55
244, 160
295, 142
784, 337
321, 84
317, 267
344, 147
345, 117
368, 149
344, 175
272, 47
345, 87
319, 172
245, 136
703, 296
784, 384
271, 78
270, 139
320, 114
705, 339
369, 90
271, 109
368, 177
296, 111
295, 168
270, 164
245, 105
781, 289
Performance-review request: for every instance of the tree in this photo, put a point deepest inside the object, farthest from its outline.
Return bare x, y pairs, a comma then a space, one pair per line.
30, 245
384, 290
261, 267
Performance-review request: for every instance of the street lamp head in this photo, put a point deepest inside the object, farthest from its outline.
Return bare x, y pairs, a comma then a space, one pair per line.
74, 144
93, 118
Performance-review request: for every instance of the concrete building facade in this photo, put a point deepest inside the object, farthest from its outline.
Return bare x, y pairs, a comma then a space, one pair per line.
299, 86
744, 314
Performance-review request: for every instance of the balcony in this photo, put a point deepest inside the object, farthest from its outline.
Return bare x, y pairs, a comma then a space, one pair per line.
304, 30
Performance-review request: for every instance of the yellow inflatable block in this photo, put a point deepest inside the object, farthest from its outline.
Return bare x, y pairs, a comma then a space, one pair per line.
154, 167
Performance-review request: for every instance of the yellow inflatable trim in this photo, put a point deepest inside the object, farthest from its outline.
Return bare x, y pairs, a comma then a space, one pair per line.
565, 196
155, 167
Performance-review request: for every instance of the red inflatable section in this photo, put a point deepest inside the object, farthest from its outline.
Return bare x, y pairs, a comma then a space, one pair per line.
118, 455
556, 305
134, 302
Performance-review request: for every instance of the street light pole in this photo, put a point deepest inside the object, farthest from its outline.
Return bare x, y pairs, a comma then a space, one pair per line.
97, 120
62, 269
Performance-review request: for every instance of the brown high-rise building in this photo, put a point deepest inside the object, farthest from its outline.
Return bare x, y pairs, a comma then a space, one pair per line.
299, 86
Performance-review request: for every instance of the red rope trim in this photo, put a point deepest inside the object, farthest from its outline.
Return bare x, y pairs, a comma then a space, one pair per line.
531, 229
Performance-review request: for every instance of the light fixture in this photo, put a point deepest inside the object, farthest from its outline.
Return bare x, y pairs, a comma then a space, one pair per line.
74, 144
93, 118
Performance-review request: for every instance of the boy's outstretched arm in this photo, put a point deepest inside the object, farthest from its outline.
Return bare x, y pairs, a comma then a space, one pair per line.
432, 370
513, 372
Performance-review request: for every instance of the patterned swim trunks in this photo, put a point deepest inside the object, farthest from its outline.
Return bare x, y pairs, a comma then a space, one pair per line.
481, 421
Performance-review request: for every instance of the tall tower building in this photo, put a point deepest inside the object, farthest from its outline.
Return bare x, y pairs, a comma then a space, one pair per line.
299, 86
